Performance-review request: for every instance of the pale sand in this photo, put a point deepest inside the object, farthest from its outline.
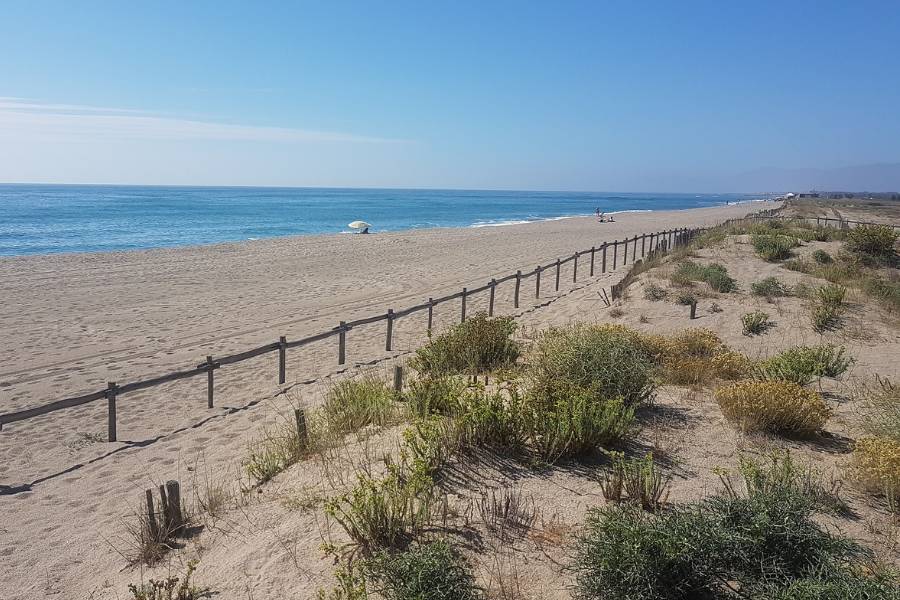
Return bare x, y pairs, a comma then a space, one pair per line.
72, 322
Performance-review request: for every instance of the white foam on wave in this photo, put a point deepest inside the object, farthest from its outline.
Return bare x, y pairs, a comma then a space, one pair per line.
478, 224
633, 210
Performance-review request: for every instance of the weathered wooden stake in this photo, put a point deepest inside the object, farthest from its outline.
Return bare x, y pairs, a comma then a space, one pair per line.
603, 267
615, 254
625, 254
491, 299
643, 245
398, 378
282, 360
390, 330
174, 517
575, 268
537, 282
152, 523
634, 250
111, 391
694, 309
430, 314
342, 343
557, 275
593, 251
209, 381
462, 316
302, 433
518, 285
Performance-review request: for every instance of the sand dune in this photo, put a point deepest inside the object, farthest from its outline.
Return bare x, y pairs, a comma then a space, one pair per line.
71, 323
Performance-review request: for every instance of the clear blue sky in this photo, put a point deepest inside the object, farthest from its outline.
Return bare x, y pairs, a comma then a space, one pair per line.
640, 96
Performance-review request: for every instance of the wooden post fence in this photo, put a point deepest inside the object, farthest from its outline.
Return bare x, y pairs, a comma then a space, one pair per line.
593, 251
462, 308
398, 378
625, 253
615, 253
389, 335
491, 300
557, 275
604, 257
282, 360
342, 343
537, 282
210, 380
643, 245
111, 392
518, 285
575, 268
430, 314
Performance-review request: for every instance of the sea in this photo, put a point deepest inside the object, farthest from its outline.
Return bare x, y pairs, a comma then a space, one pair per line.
48, 219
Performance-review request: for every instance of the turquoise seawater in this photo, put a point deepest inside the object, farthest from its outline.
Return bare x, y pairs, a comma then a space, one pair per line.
44, 219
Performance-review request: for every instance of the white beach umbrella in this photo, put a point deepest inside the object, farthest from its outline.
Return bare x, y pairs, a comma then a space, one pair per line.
358, 225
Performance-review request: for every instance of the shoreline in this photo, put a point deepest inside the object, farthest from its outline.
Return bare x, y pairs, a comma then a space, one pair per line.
342, 234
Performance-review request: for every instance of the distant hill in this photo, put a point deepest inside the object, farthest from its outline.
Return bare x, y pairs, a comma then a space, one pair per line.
884, 177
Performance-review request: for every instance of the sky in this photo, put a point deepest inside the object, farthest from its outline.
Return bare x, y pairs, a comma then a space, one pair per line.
600, 96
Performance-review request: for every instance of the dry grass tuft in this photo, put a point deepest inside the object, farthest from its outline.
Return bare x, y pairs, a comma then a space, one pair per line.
773, 406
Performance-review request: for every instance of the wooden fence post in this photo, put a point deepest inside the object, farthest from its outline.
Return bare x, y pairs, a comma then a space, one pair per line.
604, 257
575, 269
342, 343
557, 275
537, 282
625, 253
210, 366
634, 250
643, 245
389, 337
462, 316
430, 314
398, 378
491, 300
593, 251
694, 309
111, 391
282, 360
518, 285
152, 523
172, 500
302, 433
615, 253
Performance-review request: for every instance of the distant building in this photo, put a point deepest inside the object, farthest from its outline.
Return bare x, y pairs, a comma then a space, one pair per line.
809, 195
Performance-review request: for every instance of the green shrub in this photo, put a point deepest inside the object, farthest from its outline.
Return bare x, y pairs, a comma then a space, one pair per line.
476, 345
655, 292
770, 287
575, 423
714, 274
431, 442
279, 447
774, 406
774, 247
384, 512
874, 240
822, 257
606, 361
170, 588
834, 585
831, 295
804, 364
434, 395
492, 419
638, 480
430, 571
755, 323
798, 264
886, 291
763, 541
827, 306
685, 299
352, 404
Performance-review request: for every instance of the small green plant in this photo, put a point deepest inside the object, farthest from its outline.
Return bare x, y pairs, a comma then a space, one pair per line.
352, 404
171, 588
755, 323
279, 447
769, 288
616, 312
385, 512
773, 247
655, 292
644, 483
430, 571
714, 274
822, 257
477, 345
434, 394
685, 299
827, 306
803, 364
492, 419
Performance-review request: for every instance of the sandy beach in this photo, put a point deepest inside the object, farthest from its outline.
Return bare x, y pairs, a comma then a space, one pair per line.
70, 323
